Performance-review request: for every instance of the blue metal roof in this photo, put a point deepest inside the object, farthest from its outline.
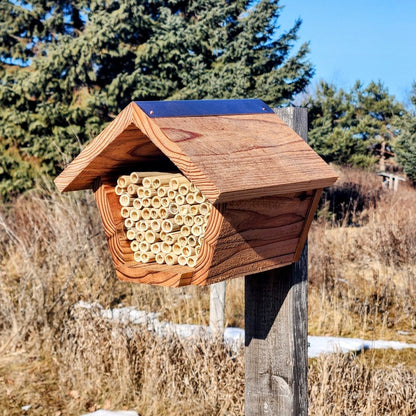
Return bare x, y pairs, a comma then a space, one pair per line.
194, 108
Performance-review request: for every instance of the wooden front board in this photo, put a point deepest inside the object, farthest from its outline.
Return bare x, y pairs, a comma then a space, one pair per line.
242, 238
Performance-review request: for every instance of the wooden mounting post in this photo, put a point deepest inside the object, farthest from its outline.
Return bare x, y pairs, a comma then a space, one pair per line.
216, 308
276, 330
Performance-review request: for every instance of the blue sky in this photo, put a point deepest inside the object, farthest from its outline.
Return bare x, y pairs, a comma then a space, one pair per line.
366, 40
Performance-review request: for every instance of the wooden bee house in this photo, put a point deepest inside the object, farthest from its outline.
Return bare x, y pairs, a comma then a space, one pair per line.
263, 180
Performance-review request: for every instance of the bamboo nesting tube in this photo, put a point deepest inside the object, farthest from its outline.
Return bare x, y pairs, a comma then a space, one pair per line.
192, 241
147, 257
171, 194
182, 240
125, 212
171, 238
135, 177
162, 191
199, 219
124, 181
149, 192
183, 209
128, 223
151, 236
182, 260
146, 214
154, 214
180, 199
131, 234
193, 210
165, 216
134, 245
165, 202
174, 208
171, 259
144, 246
188, 220
191, 261
199, 198
177, 249
204, 209
160, 258
132, 189
135, 214
140, 236
197, 230
119, 190
176, 181
188, 251
183, 189
178, 219
169, 226
156, 202
126, 200
155, 225
164, 213
140, 192
185, 230
165, 247
146, 202
155, 248
190, 199
137, 203
142, 225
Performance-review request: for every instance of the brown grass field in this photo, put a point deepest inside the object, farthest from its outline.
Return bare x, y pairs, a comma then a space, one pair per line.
65, 361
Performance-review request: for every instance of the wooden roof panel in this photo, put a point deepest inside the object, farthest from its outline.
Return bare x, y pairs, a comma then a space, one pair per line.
229, 157
248, 156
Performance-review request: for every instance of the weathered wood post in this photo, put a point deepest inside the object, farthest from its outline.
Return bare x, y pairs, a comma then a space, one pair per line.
217, 308
276, 329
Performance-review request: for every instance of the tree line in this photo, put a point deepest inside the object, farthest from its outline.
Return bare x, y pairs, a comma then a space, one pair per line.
67, 67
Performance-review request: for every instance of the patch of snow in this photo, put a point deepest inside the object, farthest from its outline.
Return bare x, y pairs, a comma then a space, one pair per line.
329, 345
235, 336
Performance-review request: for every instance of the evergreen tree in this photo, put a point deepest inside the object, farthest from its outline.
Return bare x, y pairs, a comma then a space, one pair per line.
406, 144
67, 67
356, 128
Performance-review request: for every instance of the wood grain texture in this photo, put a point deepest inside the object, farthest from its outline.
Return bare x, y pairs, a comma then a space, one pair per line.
242, 237
228, 157
120, 145
276, 341
258, 234
246, 156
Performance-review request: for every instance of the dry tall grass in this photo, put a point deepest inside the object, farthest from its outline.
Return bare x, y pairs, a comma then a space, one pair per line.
64, 362
348, 385
363, 266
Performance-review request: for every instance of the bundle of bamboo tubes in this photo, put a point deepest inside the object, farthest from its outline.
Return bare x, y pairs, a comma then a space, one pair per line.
165, 217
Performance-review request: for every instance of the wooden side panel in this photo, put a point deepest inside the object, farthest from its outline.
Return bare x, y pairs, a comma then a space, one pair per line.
258, 235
